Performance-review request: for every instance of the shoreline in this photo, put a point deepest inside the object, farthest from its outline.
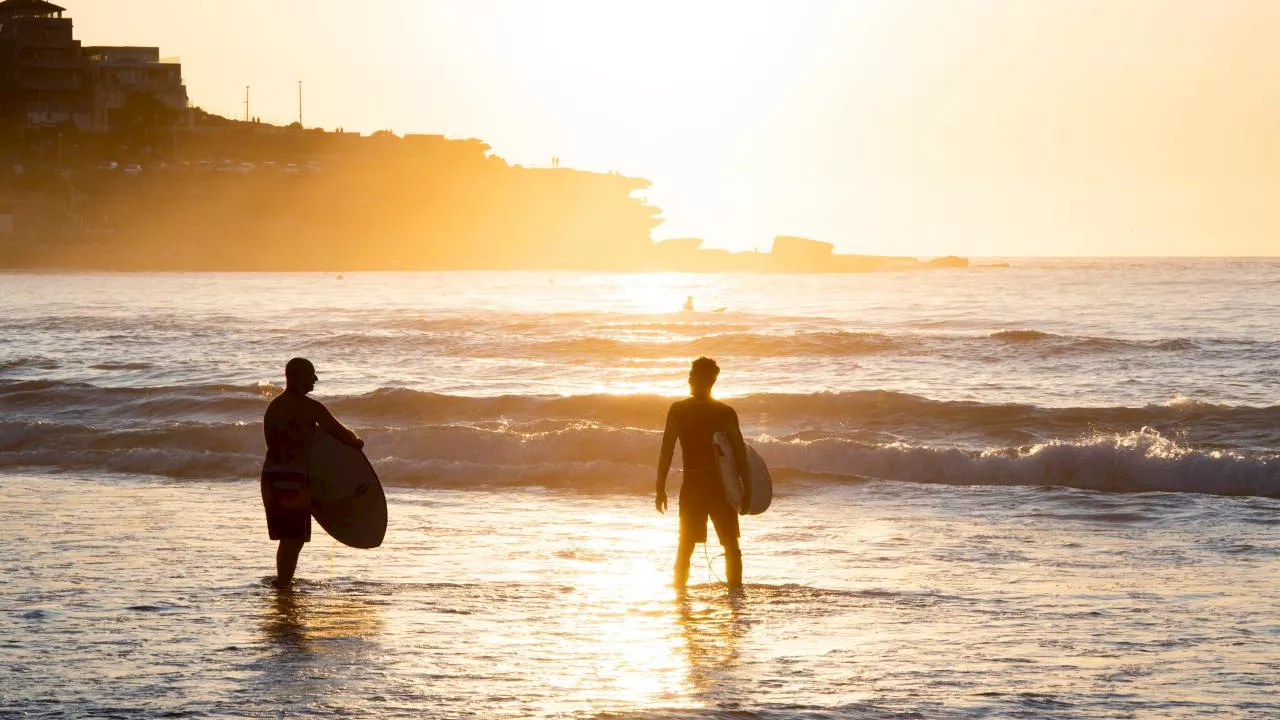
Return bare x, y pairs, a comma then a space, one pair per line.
150, 601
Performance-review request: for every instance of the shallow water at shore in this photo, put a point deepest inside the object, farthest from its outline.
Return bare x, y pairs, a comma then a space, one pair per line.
141, 597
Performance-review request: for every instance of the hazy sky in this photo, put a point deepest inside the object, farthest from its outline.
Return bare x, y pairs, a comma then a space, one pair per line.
921, 127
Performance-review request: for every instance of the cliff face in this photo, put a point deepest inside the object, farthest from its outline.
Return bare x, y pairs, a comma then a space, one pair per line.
343, 202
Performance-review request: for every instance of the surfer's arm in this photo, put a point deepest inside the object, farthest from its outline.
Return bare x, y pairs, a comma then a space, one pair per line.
330, 424
740, 456
669, 436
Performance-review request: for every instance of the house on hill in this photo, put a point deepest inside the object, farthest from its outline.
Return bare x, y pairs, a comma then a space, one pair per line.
47, 78
42, 77
117, 72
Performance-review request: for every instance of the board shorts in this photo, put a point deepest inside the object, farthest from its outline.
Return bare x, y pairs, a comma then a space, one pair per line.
287, 499
702, 497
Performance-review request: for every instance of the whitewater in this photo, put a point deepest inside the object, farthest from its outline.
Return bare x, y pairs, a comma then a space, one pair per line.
1043, 490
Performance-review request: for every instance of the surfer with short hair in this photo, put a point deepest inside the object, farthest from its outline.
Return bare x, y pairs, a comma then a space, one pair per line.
289, 425
694, 421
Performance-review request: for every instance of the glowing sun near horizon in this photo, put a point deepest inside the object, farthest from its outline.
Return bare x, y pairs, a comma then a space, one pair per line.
972, 127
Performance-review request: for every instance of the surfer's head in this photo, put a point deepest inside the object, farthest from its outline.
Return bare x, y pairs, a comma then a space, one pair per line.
702, 375
300, 375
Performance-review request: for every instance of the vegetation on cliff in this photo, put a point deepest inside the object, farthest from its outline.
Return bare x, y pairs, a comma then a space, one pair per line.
229, 195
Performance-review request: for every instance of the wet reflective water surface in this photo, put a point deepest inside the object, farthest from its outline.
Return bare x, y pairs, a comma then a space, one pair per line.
142, 597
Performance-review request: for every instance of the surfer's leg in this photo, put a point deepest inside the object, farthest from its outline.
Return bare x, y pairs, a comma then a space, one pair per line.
693, 530
287, 560
733, 564
727, 531
684, 554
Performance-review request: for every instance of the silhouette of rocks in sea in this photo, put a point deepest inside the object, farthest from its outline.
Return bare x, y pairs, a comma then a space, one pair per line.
789, 254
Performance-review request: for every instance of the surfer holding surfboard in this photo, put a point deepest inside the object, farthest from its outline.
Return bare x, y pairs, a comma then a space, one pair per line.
695, 421
290, 427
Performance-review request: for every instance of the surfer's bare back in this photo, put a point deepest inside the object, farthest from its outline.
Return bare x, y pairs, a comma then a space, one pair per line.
694, 421
289, 426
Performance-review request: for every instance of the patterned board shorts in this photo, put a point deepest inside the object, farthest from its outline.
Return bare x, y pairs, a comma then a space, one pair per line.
287, 499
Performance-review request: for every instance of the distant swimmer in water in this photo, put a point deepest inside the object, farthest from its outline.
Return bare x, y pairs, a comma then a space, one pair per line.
688, 306
694, 421
290, 425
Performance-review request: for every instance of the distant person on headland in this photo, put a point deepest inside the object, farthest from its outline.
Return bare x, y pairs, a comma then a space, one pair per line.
695, 421
688, 304
290, 425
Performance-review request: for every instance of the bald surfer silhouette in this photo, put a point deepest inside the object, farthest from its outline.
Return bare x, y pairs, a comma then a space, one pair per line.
289, 426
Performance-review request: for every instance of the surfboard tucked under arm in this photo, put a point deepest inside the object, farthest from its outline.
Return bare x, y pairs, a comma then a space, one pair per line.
346, 497
758, 476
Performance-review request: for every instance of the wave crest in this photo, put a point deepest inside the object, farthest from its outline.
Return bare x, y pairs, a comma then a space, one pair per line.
594, 457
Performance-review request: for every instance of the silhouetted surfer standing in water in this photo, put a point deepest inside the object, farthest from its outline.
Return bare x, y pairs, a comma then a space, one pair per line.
289, 425
695, 421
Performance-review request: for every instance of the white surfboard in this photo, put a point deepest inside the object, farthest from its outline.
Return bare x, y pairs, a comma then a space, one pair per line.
761, 483
346, 497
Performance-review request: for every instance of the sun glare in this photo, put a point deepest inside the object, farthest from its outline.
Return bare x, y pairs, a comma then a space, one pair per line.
692, 95
624, 604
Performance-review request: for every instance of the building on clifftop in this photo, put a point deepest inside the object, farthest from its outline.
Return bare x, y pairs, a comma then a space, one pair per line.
115, 73
47, 78
42, 76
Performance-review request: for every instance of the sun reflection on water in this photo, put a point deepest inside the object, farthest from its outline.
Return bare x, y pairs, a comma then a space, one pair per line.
624, 642
711, 626
625, 651
653, 293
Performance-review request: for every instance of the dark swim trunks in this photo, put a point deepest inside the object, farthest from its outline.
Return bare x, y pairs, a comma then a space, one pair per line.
702, 497
287, 498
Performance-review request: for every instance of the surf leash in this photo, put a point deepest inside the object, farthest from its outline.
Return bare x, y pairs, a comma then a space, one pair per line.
711, 570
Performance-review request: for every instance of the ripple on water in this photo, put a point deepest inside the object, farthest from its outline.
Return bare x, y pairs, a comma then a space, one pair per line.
569, 614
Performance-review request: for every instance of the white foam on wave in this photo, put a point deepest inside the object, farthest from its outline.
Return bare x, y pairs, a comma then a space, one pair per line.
895, 414
1143, 460
595, 457
1187, 404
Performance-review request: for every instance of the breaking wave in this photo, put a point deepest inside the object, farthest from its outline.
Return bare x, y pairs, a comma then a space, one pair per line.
608, 443
868, 415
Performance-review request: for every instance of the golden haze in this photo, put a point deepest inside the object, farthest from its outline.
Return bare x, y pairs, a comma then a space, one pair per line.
933, 127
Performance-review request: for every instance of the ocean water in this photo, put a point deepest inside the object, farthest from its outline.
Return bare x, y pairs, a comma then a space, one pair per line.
1048, 490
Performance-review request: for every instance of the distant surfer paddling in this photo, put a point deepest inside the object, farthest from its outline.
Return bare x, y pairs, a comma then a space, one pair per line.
694, 421
290, 425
